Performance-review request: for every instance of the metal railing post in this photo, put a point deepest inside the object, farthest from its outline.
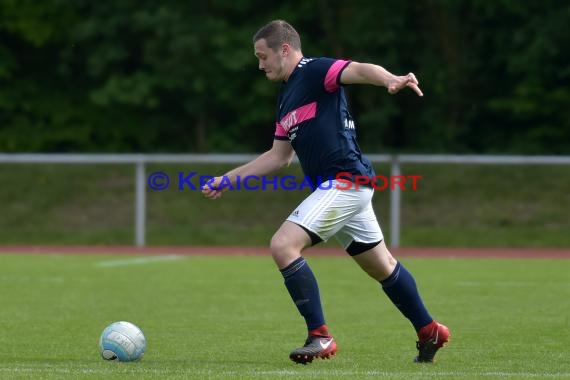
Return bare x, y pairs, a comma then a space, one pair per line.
394, 204
140, 204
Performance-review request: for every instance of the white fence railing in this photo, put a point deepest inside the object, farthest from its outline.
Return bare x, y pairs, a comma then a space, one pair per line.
140, 160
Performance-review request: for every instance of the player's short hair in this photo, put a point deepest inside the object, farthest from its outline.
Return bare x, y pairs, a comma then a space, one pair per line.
278, 32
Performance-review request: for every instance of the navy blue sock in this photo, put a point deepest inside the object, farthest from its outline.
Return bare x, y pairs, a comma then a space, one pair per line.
302, 286
401, 288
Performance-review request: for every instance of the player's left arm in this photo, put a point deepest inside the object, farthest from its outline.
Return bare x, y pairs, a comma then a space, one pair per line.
368, 73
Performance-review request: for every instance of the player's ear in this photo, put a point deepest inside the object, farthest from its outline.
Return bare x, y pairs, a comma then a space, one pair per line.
285, 48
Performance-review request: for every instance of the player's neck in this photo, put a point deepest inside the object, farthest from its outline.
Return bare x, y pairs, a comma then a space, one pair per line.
292, 62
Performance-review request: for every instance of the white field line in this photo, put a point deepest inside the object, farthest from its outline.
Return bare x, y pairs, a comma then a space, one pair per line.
138, 261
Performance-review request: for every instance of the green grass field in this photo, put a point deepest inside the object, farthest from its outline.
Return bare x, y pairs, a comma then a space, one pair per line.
231, 318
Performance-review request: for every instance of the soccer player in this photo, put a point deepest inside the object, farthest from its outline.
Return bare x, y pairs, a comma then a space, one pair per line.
314, 122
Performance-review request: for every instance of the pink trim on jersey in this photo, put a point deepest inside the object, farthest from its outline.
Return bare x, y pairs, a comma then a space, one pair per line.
279, 131
301, 114
331, 84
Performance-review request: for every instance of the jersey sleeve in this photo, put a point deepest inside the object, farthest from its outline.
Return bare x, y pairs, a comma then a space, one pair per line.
332, 76
280, 133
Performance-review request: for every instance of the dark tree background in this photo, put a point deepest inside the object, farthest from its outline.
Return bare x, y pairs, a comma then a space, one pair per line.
180, 76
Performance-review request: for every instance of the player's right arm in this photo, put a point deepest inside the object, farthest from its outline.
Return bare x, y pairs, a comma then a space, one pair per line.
280, 155
368, 73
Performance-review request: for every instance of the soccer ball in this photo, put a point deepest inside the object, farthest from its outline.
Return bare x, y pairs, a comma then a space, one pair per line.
122, 341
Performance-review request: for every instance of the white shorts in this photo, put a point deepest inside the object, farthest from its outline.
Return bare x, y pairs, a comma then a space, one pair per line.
345, 214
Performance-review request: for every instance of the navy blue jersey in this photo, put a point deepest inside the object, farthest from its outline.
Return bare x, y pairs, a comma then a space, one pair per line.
313, 114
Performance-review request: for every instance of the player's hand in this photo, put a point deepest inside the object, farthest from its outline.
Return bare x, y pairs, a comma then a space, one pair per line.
401, 82
212, 189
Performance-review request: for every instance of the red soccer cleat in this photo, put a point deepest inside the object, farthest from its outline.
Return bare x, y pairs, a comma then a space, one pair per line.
315, 347
431, 338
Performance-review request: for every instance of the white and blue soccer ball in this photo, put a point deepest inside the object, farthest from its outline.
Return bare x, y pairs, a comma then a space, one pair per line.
122, 341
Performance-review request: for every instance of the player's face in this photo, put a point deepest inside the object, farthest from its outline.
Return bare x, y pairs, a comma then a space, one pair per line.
270, 62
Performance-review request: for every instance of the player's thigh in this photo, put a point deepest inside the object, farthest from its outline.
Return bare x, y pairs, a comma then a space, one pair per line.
363, 227
378, 262
326, 211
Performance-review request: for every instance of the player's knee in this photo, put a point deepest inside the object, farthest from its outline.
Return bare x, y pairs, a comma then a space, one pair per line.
283, 249
279, 246
276, 244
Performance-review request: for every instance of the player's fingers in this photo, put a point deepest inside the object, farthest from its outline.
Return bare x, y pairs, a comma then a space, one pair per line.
207, 191
210, 186
213, 192
414, 87
412, 78
212, 195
